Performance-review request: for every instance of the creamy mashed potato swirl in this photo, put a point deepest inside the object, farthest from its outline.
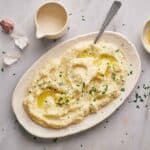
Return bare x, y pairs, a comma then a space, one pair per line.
85, 79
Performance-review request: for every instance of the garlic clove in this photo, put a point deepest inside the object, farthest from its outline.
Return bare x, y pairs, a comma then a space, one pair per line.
20, 41
10, 59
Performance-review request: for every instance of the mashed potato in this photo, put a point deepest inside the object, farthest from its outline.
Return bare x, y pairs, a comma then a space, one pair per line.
85, 79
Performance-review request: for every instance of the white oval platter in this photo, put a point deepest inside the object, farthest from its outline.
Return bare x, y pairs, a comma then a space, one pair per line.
93, 119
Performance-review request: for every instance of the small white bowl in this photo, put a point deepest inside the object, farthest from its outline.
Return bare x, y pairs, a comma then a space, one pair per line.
51, 20
144, 33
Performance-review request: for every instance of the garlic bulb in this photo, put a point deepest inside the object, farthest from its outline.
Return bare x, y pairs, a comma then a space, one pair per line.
7, 25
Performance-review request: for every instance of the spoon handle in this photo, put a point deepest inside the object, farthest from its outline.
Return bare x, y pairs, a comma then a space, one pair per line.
112, 11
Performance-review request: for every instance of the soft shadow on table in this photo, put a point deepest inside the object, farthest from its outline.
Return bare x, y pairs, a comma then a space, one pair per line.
49, 43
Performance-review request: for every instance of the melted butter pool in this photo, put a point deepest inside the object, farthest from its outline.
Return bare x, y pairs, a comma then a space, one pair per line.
42, 97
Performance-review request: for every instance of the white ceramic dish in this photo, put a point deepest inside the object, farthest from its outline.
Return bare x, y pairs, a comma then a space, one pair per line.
91, 120
51, 20
145, 29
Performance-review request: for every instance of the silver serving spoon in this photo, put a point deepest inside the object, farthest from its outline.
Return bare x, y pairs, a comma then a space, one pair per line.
112, 11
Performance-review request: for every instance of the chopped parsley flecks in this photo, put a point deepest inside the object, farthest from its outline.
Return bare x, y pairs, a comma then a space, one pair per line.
60, 74
2, 69
60, 83
130, 73
77, 84
131, 65
136, 95
29, 91
83, 18
105, 88
3, 52
68, 28
117, 50
46, 101
107, 121
94, 100
54, 40
141, 94
146, 86
34, 137
141, 100
55, 140
63, 100
83, 85
92, 90
113, 76
145, 95
137, 106
117, 109
122, 89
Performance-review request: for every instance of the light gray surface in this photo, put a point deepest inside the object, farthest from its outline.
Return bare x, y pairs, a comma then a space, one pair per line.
128, 128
